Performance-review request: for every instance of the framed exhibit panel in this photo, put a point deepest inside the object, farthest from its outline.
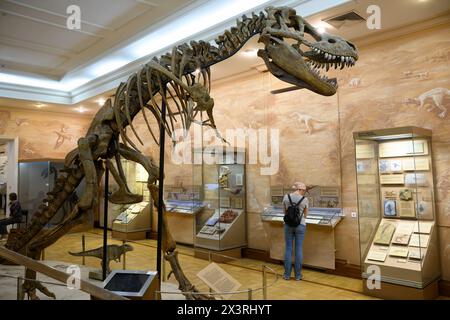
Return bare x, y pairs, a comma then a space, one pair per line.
398, 231
324, 215
221, 225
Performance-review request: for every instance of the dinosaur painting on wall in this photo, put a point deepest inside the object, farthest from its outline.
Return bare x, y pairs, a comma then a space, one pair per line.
436, 98
172, 79
308, 121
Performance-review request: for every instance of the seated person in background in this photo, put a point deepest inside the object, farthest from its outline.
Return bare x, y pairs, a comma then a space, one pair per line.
15, 214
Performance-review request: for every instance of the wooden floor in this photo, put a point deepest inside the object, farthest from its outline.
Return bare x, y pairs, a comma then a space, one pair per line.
316, 285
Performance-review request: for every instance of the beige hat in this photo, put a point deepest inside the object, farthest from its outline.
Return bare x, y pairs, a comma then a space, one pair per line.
299, 186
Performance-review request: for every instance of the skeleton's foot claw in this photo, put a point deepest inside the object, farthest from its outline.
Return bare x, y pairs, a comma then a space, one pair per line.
30, 290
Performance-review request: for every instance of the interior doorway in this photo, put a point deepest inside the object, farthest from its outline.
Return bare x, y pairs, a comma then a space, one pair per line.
9, 170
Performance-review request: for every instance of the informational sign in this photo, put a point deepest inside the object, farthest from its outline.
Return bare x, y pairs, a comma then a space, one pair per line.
219, 280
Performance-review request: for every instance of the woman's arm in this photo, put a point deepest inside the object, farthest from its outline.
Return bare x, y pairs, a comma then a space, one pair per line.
305, 212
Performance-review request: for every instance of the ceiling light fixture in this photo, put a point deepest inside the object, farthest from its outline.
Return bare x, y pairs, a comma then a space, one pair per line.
40, 105
81, 109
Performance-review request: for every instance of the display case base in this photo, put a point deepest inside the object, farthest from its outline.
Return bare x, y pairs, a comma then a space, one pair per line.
391, 291
219, 256
138, 235
181, 227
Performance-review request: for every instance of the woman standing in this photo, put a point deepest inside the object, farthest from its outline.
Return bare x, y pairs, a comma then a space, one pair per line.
295, 234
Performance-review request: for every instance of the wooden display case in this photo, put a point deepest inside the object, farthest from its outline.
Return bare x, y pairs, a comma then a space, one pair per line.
398, 233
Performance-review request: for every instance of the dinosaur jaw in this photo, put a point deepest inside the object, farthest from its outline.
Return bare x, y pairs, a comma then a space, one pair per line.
303, 69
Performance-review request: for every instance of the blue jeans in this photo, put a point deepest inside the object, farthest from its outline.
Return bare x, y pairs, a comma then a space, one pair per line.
291, 234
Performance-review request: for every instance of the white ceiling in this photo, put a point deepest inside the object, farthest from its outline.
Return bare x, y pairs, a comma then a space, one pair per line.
34, 37
132, 16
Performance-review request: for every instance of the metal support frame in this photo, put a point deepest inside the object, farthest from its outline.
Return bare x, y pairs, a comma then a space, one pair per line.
105, 224
162, 143
124, 261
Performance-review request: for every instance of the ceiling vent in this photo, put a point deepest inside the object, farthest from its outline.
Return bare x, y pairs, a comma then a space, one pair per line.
345, 20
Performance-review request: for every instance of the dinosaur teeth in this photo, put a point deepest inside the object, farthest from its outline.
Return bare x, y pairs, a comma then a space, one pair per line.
342, 59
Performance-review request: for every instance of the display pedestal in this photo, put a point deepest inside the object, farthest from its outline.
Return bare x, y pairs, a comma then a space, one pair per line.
391, 291
138, 235
219, 256
181, 227
319, 249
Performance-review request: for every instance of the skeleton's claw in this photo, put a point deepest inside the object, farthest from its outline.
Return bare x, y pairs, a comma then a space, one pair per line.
30, 289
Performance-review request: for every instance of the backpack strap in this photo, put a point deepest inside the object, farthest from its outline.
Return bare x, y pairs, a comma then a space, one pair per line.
301, 200
290, 200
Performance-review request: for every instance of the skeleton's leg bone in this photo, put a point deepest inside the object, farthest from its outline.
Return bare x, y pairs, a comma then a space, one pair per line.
123, 195
45, 239
91, 188
168, 245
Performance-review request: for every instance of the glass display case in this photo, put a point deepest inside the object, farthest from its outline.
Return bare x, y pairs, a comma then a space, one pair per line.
130, 222
324, 214
397, 226
38, 178
222, 223
327, 199
183, 204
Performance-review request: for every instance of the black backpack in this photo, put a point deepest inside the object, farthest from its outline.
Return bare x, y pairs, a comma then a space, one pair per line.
293, 217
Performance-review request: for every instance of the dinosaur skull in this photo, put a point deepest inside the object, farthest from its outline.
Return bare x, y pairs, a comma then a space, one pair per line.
300, 63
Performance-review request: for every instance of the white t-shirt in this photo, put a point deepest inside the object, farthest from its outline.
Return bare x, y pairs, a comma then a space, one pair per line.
295, 199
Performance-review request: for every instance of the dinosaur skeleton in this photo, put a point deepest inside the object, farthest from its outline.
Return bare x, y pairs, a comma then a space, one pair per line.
173, 78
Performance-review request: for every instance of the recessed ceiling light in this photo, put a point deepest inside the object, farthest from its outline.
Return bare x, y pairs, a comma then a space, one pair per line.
40, 105
81, 109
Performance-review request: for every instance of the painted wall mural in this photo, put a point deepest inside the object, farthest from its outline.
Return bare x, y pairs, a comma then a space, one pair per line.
42, 135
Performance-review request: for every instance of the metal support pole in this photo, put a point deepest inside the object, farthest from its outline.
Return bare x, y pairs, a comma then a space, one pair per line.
124, 262
250, 294
83, 248
20, 295
162, 143
43, 255
105, 223
264, 282
209, 260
